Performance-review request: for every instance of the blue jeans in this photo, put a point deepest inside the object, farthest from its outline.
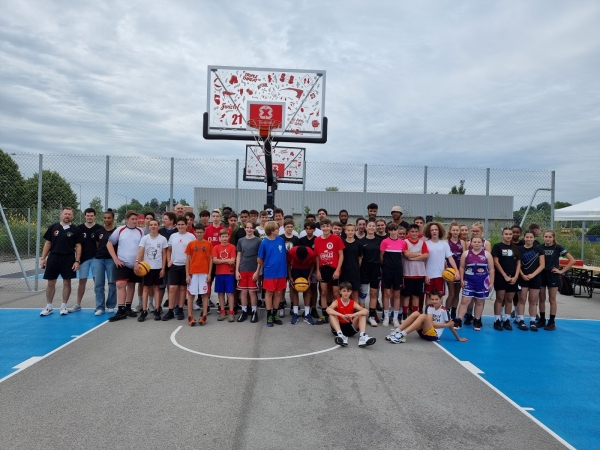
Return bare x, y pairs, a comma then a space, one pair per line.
105, 269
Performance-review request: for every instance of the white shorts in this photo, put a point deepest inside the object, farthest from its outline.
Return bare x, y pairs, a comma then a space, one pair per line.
198, 285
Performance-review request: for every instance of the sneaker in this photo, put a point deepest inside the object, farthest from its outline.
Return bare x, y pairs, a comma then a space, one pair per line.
512, 315
507, 326
143, 316
468, 319
477, 324
365, 340
389, 336
254, 318
314, 313
397, 338
321, 320
130, 313
457, 324
294, 319
243, 316
166, 303
260, 304
64, 311
341, 340
119, 315
46, 311
138, 308
498, 325
99, 312
379, 307
377, 318
168, 316
372, 321
202, 321
176, 310
396, 323
540, 323
533, 326
111, 310
522, 326
551, 326
75, 308
196, 307
277, 320
156, 315
386, 322
309, 320
222, 316
231, 317
191, 321
281, 311
270, 321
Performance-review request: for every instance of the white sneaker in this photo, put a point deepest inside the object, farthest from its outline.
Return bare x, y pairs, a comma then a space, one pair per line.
99, 312
341, 340
365, 340
396, 323
75, 308
64, 311
46, 311
110, 310
386, 322
196, 307
372, 321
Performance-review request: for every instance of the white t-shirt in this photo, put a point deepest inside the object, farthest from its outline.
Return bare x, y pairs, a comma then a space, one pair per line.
439, 316
317, 233
153, 250
178, 243
128, 241
438, 252
282, 231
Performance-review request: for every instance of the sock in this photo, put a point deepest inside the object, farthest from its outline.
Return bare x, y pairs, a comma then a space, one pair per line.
403, 333
63, 305
386, 314
121, 308
150, 300
415, 308
372, 312
253, 308
532, 319
505, 317
272, 312
362, 333
520, 317
496, 317
231, 313
542, 315
397, 314
397, 331
340, 334
307, 310
296, 309
127, 306
453, 311
222, 311
552, 317
245, 308
49, 305
502, 311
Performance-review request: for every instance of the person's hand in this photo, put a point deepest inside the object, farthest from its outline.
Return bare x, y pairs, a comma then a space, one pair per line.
456, 275
119, 263
255, 276
208, 279
558, 271
43, 263
238, 276
170, 263
188, 279
462, 339
318, 275
513, 280
462, 283
507, 278
162, 273
75, 266
427, 280
336, 274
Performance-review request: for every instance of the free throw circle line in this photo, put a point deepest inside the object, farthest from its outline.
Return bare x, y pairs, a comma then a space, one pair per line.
243, 358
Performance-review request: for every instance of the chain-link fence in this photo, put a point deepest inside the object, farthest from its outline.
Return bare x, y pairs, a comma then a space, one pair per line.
496, 197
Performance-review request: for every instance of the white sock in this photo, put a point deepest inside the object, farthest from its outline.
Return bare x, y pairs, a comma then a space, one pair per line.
49, 305
521, 317
497, 318
362, 333
505, 317
245, 308
150, 300
502, 311
63, 305
397, 314
386, 314
296, 309
403, 333
340, 334
307, 310
253, 308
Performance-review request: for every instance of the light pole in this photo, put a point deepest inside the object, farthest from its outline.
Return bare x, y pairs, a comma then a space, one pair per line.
126, 200
80, 202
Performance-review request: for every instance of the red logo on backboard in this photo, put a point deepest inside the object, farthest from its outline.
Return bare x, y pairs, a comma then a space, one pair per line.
265, 111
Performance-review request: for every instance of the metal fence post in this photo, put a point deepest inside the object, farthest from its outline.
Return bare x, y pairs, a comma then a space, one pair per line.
14, 246
303, 195
28, 232
425, 194
487, 203
552, 192
365, 189
237, 185
38, 226
171, 184
106, 182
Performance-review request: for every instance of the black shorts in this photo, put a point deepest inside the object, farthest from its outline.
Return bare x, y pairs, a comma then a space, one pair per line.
177, 276
127, 274
300, 273
500, 284
392, 280
153, 278
550, 279
346, 328
370, 274
165, 279
327, 275
413, 286
352, 278
62, 265
534, 283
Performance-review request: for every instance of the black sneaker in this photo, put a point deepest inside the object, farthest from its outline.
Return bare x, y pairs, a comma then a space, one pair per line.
179, 314
166, 303
168, 316
243, 316
458, 324
143, 316
254, 318
523, 326
314, 313
497, 325
260, 304
533, 327
379, 307
507, 326
541, 323
120, 315
477, 324
130, 312
277, 320
157, 314
468, 319
512, 315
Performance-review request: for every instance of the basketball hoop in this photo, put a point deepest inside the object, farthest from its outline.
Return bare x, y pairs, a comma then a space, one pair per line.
264, 126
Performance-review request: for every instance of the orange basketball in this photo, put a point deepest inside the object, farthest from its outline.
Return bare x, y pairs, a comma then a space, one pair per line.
301, 284
143, 268
448, 274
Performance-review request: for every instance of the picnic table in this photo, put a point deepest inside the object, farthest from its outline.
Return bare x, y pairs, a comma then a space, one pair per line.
585, 278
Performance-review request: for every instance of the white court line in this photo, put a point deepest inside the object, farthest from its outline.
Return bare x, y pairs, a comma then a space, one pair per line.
34, 359
509, 400
243, 358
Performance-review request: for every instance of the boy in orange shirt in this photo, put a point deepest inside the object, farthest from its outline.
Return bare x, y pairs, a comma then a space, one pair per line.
224, 255
198, 267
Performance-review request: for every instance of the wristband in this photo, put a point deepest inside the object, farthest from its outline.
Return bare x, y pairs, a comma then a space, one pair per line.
137, 260
78, 262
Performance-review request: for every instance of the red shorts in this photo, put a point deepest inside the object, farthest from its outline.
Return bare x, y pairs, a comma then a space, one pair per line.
437, 284
274, 284
246, 282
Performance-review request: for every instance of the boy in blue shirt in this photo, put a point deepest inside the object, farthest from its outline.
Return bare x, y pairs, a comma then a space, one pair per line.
271, 257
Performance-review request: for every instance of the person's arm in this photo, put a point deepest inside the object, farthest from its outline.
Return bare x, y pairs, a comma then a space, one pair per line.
514, 279
359, 311
238, 258
331, 310
381, 252
450, 324
45, 252
336, 274
138, 257
317, 271
487, 247
169, 261
261, 263
491, 270
164, 263
78, 249
453, 265
567, 267
463, 264
188, 277
210, 268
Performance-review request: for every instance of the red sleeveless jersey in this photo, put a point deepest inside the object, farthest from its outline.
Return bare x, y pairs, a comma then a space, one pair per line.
347, 309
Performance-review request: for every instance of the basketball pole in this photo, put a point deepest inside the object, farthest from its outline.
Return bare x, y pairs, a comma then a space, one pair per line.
271, 184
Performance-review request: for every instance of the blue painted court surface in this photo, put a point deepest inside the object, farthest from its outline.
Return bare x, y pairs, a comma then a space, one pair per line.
556, 373
24, 334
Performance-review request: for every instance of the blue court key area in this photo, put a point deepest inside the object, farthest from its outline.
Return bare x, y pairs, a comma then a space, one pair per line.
555, 372
24, 333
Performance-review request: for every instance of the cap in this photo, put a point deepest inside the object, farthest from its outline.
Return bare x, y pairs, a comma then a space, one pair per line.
396, 209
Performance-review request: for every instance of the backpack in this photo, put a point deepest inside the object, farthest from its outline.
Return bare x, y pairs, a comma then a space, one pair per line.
566, 285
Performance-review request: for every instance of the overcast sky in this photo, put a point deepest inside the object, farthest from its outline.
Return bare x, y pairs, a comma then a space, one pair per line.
511, 84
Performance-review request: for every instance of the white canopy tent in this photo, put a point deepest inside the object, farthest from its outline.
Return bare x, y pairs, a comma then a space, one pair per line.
584, 211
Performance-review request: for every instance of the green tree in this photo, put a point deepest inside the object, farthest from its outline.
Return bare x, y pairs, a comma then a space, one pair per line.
560, 205
183, 202
154, 206
56, 191
133, 204
460, 190
96, 203
12, 184
332, 189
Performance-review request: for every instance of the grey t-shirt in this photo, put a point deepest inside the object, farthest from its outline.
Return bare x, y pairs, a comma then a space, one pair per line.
248, 248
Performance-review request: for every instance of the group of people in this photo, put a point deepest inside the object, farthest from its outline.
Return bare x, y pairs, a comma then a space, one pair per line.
350, 270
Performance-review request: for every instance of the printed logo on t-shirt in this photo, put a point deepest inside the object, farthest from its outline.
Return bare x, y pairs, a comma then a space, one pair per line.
329, 245
55, 232
280, 248
507, 252
69, 234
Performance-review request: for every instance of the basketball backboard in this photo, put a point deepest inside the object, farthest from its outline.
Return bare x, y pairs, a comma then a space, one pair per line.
239, 95
288, 164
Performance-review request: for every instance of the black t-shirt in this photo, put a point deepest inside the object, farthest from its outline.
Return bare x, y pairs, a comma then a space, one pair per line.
88, 247
552, 254
290, 241
310, 243
352, 251
507, 255
63, 239
101, 237
370, 249
403, 223
530, 258
167, 233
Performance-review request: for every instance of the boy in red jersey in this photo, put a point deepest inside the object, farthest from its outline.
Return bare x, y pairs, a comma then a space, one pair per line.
347, 317
301, 264
329, 250
224, 255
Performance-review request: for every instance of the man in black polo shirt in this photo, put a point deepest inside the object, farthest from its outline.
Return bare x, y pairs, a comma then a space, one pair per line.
61, 256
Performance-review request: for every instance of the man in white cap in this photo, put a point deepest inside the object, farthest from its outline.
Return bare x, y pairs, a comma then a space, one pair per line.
397, 217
